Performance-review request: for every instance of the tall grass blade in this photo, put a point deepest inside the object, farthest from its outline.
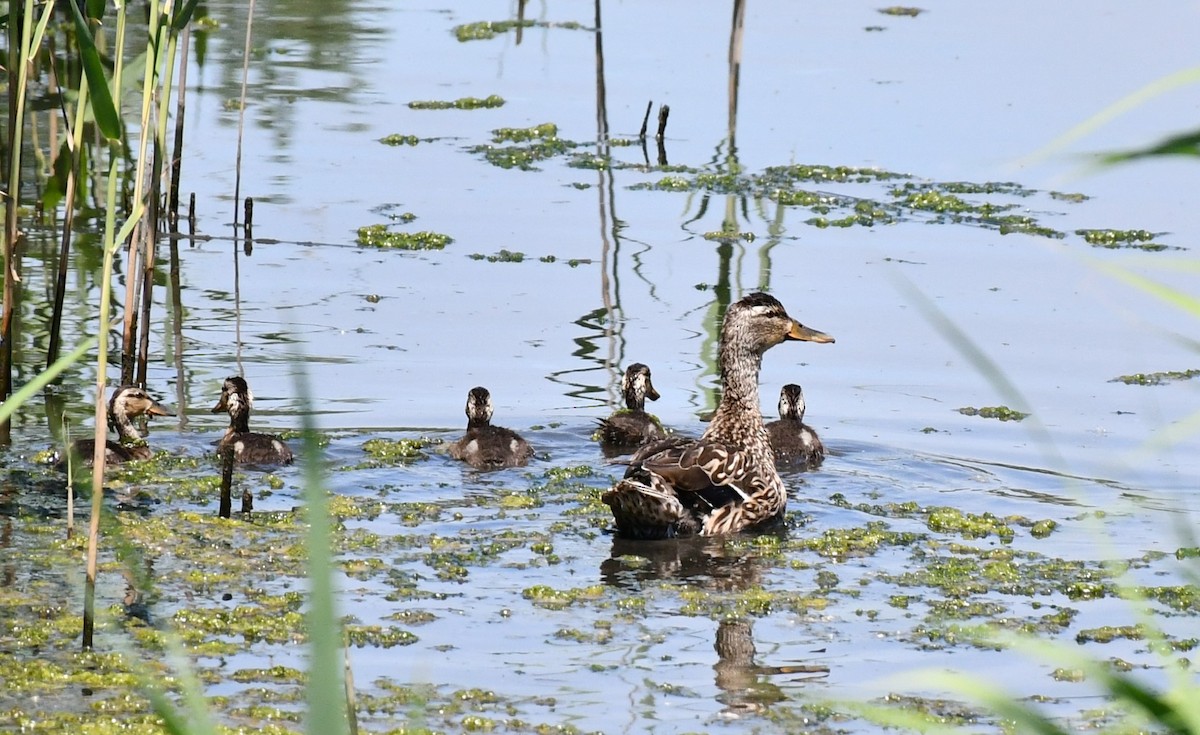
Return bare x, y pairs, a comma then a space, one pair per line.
326, 695
1115, 110
44, 378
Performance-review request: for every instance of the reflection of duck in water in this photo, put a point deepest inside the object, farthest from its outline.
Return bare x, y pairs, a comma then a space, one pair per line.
488, 447
743, 682
127, 403
708, 564
699, 561
794, 442
725, 481
631, 426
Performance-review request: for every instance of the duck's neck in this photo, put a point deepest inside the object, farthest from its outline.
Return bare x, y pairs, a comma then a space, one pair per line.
239, 422
128, 433
635, 401
478, 423
739, 386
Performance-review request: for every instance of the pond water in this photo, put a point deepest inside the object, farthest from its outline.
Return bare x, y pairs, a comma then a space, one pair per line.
509, 582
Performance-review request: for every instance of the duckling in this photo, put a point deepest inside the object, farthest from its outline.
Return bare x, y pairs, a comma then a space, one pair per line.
631, 426
487, 447
248, 447
725, 481
794, 441
127, 402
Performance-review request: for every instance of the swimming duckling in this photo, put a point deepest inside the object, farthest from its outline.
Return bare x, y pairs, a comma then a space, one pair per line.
487, 447
793, 441
631, 426
725, 481
248, 447
127, 402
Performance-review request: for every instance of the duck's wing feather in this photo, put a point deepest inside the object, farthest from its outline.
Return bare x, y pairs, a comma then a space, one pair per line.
705, 472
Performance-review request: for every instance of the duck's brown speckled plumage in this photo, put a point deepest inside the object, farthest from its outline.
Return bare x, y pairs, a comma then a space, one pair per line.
725, 481
794, 442
127, 402
632, 427
247, 447
488, 447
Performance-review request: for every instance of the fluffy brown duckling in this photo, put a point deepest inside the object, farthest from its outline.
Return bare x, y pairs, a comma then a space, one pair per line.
793, 441
725, 481
248, 447
631, 427
127, 402
487, 447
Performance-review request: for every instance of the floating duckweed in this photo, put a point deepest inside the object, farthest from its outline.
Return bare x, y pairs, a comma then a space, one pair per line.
378, 636
1071, 675
1085, 590
1069, 197
1004, 413
462, 103
1182, 598
275, 674
504, 256
820, 174
381, 237
1110, 633
937, 201
1156, 378
672, 183
524, 157
1114, 238
1043, 528
901, 11
394, 451
900, 601
1020, 224
398, 139
488, 29
548, 597
520, 135
969, 525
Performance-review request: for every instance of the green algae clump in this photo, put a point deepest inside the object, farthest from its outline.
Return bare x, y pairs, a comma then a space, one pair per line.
379, 236
1003, 413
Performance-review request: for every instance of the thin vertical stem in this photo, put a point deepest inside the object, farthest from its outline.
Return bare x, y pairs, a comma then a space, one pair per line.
237, 180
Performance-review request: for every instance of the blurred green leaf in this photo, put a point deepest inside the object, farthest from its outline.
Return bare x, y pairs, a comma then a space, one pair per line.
105, 111
1185, 144
183, 14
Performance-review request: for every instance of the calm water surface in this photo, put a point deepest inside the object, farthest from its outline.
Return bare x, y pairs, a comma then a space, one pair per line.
392, 341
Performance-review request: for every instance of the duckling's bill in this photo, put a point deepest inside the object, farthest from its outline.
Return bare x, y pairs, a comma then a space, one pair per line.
802, 333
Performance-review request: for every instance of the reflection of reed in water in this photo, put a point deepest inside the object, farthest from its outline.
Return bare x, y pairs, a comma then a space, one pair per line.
745, 686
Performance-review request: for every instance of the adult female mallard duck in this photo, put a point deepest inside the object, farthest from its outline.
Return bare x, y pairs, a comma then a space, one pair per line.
794, 441
247, 447
127, 402
487, 447
631, 426
725, 481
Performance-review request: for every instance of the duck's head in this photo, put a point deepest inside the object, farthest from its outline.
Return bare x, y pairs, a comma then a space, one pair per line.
479, 406
236, 397
791, 402
130, 400
636, 386
759, 322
